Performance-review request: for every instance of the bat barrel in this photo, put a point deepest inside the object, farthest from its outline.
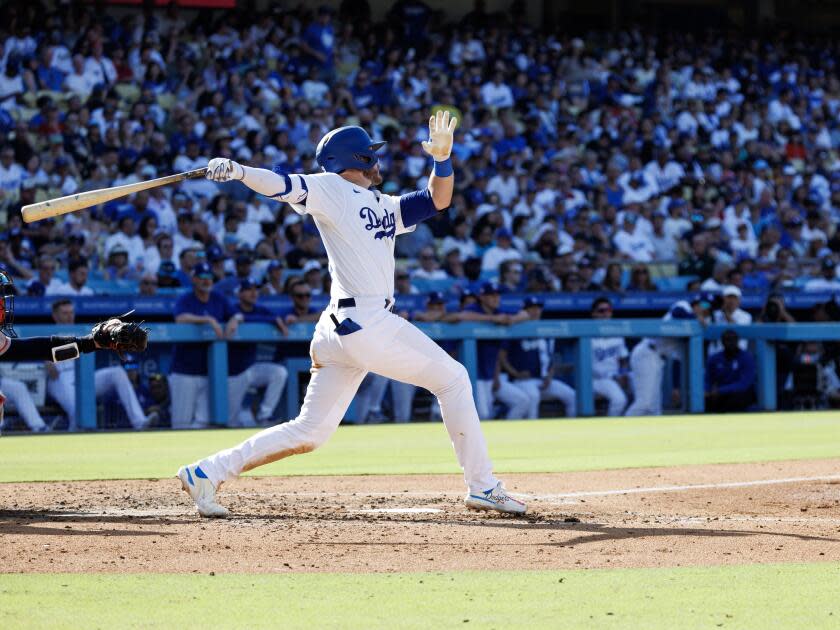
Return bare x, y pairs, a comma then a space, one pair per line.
79, 201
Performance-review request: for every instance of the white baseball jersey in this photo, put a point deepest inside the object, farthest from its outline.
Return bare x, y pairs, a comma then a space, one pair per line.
606, 353
358, 227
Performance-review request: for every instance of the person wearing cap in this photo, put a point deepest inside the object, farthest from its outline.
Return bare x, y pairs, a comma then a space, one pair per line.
609, 361
730, 313
647, 361
61, 379
126, 238
116, 265
188, 378
156, 415
491, 385
244, 370
273, 281
243, 268
530, 363
167, 277
730, 377
501, 251
630, 243
313, 276
827, 280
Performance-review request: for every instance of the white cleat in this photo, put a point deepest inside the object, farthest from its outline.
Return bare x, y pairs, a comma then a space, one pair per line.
495, 499
202, 491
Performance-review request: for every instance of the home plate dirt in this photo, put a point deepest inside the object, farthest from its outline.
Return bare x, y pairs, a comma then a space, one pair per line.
697, 515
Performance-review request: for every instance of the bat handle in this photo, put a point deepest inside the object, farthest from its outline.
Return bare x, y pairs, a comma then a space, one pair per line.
195, 174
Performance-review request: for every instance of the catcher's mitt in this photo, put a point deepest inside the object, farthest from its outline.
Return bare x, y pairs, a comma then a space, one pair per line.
115, 334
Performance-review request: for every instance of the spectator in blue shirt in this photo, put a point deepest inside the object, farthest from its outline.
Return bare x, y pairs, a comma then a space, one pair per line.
730, 377
319, 40
188, 380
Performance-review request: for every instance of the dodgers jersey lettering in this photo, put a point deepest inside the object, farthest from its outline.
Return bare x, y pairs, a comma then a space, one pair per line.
606, 352
357, 227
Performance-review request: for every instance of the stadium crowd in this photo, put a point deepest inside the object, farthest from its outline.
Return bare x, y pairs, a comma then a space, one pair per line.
606, 161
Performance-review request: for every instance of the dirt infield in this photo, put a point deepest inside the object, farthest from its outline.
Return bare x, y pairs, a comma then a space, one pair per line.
772, 512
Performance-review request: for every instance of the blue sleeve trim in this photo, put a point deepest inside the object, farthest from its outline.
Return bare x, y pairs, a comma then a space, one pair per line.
417, 206
305, 190
288, 183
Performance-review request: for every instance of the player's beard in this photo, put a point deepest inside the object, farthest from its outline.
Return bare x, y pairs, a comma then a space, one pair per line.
373, 175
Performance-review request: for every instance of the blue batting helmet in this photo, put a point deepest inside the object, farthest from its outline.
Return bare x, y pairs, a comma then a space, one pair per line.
347, 147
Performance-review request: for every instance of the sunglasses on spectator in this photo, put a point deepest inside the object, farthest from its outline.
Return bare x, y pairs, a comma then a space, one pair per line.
603, 309
301, 295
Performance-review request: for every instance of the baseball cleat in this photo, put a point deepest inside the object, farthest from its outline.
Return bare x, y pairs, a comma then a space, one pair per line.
202, 491
495, 499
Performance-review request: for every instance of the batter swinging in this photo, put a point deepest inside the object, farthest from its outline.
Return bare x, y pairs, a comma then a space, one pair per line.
357, 333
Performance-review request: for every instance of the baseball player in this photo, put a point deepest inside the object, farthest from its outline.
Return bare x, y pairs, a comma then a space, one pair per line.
530, 362
188, 380
647, 363
113, 335
491, 382
609, 356
357, 332
61, 383
243, 368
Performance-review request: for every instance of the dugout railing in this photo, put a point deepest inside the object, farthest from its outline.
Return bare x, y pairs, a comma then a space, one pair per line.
578, 333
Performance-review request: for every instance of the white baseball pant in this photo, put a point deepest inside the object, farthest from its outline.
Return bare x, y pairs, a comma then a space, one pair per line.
402, 396
18, 396
237, 388
105, 380
190, 408
556, 390
611, 390
390, 346
512, 396
647, 367
273, 377
369, 396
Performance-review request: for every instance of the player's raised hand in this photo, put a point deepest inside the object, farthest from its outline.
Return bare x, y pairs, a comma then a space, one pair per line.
441, 136
224, 170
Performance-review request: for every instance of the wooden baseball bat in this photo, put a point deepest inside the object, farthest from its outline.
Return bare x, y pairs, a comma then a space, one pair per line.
79, 201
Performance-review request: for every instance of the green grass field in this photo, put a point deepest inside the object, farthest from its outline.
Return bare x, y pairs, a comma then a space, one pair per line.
533, 446
752, 596
756, 596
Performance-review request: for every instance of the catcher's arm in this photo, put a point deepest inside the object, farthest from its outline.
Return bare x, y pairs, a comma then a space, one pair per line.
55, 348
113, 334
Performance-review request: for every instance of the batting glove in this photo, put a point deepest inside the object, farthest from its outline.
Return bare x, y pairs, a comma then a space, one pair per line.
441, 136
224, 170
